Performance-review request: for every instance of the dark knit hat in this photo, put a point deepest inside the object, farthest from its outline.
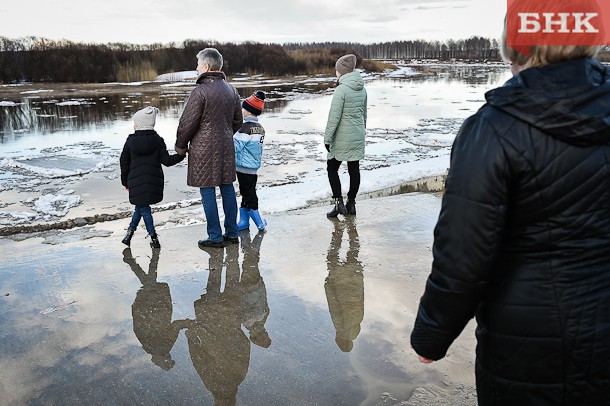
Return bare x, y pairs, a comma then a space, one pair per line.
145, 119
346, 64
255, 103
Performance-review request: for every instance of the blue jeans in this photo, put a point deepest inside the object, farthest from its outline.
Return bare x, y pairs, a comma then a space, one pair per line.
146, 213
229, 206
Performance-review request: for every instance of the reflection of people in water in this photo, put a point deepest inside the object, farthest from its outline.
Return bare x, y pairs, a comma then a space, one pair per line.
219, 349
152, 312
344, 286
255, 309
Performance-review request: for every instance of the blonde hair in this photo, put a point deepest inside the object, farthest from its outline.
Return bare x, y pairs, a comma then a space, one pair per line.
541, 55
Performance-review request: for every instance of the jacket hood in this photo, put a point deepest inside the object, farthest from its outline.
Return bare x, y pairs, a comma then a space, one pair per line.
143, 142
569, 100
353, 80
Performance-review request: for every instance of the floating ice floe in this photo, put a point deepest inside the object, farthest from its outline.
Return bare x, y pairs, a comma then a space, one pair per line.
177, 76
11, 218
55, 205
403, 71
70, 103
46, 172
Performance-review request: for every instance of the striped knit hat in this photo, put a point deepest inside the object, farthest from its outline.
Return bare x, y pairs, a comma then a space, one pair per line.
255, 103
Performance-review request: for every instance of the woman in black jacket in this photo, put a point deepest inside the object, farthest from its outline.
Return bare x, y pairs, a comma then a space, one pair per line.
523, 237
141, 171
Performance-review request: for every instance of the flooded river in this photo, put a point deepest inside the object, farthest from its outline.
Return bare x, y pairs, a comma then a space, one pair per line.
59, 156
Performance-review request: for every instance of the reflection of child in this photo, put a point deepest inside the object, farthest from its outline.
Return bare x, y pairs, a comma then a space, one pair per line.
141, 171
249, 152
152, 313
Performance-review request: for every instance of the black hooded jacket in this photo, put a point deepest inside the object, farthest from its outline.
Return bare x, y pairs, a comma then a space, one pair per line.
523, 241
141, 171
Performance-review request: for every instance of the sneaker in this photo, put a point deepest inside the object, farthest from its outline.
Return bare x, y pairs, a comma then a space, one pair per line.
232, 240
210, 244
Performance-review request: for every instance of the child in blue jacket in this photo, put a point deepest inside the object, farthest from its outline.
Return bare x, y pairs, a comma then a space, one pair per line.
248, 156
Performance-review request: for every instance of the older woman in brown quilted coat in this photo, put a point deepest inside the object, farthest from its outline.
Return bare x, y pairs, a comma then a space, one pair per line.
211, 116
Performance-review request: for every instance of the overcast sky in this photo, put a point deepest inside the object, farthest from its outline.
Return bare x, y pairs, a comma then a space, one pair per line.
154, 21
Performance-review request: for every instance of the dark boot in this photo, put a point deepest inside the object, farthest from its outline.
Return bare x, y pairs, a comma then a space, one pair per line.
154, 241
338, 209
351, 207
127, 239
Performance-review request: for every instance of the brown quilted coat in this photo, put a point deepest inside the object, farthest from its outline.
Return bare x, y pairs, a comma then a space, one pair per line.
211, 116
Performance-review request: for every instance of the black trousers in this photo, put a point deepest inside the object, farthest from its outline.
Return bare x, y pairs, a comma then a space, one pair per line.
247, 190
353, 169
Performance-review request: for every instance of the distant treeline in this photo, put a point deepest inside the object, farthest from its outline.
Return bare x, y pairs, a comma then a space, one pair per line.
36, 59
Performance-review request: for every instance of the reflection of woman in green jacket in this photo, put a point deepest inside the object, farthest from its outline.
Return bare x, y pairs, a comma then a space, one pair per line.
344, 135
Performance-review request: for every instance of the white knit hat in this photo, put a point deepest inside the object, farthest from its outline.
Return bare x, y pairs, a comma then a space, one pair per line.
145, 119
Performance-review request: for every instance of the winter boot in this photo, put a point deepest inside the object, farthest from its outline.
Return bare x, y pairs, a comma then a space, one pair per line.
351, 207
127, 239
256, 217
244, 219
338, 209
154, 241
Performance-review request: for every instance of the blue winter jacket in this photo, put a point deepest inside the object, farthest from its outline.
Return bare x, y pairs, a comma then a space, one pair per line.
249, 145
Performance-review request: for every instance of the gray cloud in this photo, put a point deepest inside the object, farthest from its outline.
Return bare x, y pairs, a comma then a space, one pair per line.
268, 21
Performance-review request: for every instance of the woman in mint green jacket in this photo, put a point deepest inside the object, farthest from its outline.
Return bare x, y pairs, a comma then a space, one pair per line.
345, 131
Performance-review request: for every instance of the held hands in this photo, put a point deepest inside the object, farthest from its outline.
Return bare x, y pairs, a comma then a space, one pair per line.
181, 151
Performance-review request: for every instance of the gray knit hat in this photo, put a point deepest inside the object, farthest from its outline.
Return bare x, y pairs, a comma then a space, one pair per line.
346, 64
145, 119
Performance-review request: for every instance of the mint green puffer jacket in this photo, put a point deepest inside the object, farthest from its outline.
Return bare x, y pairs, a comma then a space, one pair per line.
346, 126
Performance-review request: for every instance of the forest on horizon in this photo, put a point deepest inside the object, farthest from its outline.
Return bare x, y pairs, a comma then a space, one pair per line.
34, 59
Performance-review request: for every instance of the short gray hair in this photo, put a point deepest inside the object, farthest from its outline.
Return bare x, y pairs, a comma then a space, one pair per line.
210, 57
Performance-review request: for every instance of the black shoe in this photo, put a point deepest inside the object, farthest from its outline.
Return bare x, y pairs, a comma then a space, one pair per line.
210, 244
351, 207
127, 239
232, 240
154, 241
338, 209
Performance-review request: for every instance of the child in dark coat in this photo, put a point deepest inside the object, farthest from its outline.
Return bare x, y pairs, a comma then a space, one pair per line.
141, 171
